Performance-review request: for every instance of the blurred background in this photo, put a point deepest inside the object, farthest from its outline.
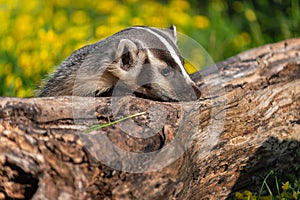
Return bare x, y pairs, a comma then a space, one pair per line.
37, 35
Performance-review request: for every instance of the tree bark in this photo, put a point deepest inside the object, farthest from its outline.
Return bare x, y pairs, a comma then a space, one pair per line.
246, 123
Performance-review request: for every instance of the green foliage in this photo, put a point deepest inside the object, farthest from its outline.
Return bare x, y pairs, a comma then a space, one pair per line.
36, 35
286, 187
287, 192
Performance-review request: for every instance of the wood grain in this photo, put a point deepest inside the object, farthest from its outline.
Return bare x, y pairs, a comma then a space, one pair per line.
246, 123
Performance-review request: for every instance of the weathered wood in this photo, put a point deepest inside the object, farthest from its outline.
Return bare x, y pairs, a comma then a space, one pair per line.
246, 123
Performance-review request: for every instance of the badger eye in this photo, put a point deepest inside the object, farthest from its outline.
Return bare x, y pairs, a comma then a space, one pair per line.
165, 72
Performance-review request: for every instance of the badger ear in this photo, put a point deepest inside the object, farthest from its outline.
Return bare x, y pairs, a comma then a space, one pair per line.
126, 53
173, 32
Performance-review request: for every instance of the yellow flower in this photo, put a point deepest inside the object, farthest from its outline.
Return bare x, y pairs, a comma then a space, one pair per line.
60, 20
106, 7
24, 93
4, 21
120, 12
190, 68
179, 5
101, 31
8, 43
9, 80
241, 40
9, 5
47, 37
201, 22
21, 93
30, 6
25, 61
239, 196
179, 18
6, 68
195, 60
247, 193
105, 31
157, 21
131, 1
245, 38
250, 15
22, 26
136, 21
18, 83
151, 7
285, 186
80, 17
295, 196
61, 3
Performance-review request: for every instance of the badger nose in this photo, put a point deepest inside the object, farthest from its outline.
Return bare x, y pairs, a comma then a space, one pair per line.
191, 93
188, 92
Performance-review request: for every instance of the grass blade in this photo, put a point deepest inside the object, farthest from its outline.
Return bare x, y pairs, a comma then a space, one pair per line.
265, 183
99, 126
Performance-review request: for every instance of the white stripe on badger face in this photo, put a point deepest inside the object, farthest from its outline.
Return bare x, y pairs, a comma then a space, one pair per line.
170, 49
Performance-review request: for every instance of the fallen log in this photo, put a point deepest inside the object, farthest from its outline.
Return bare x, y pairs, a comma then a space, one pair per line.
246, 123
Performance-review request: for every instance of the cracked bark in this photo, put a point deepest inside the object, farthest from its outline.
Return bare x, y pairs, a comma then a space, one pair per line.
246, 123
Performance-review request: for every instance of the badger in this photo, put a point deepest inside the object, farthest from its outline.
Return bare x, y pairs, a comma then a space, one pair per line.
139, 60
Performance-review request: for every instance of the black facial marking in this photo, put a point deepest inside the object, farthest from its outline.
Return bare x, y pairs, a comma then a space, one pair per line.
147, 86
126, 63
146, 61
166, 56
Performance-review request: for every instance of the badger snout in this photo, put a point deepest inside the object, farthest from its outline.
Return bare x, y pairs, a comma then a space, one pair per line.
190, 93
184, 90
